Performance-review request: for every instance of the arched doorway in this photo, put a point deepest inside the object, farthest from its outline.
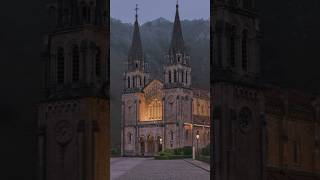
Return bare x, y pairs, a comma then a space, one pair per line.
159, 144
150, 145
142, 146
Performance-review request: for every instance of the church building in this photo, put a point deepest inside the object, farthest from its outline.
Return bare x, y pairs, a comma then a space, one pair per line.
167, 113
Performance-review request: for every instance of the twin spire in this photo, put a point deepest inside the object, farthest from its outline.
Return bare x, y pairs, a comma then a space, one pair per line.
136, 52
177, 42
136, 57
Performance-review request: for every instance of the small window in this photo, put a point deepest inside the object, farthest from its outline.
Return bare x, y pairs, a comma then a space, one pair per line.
182, 76
169, 76
133, 82
233, 47
128, 82
75, 63
175, 76
244, 51
129, 137
171, 135
60, 66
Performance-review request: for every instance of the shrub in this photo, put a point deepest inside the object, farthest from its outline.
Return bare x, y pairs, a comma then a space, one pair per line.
187, 150
206, 150
205, 159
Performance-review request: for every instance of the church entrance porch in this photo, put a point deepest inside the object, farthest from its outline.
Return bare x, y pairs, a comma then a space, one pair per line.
150, 146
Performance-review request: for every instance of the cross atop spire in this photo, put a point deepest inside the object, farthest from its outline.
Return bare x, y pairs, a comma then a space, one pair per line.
135, 58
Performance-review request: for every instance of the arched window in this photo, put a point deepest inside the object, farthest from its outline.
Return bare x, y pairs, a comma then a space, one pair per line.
128, 81
182, 76
233, 47
75, 63
133, 82
60, 66
247, 4
169, 76
98, 62
129, 137
244, 51
186, 77
171, 135
140, 81
175, 76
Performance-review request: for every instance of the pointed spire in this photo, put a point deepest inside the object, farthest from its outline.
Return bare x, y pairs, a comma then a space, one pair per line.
177, 43
136, 52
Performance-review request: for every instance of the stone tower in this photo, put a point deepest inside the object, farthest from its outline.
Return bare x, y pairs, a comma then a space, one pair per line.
135, 79
177, 88
238, 106
73, 121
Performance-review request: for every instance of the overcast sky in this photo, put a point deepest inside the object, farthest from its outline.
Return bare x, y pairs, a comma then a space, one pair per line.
153, 9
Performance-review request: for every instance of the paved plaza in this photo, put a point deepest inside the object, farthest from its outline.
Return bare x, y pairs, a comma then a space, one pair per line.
149, 169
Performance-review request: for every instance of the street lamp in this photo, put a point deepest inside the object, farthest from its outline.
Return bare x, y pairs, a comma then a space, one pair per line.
197, 137
160, 144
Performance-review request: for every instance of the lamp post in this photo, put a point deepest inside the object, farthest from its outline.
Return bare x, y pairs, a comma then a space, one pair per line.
197, 137
161, 143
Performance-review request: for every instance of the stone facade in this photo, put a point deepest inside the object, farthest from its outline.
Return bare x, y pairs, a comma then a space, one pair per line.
162, 114
73, 120
259, 131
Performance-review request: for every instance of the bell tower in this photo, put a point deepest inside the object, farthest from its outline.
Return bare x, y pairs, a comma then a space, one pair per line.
136, 76
177, 70
177, 88
73, 120
135, 79
237, 98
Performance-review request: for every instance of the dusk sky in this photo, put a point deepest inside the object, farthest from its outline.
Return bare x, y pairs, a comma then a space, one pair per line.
153, 9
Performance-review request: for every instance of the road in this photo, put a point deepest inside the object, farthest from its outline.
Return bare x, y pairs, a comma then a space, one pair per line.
124, 168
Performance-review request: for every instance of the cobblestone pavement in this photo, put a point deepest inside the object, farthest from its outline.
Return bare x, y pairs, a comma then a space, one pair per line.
150, 169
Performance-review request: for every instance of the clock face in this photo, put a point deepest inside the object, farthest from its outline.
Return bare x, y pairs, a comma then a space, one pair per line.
130, 103
171, 99
63, 132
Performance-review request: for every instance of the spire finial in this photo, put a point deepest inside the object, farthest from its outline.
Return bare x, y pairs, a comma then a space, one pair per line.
136, 9
177, 5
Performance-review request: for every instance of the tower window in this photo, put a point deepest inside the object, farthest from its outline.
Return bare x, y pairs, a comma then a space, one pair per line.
233, 47
171, 135
182, 76
128, 82
75, 63
133, 81
219, 51
169, 76
186, 77
247, 4
60, 66
98, 63
175, 76
129, 137
244, 51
